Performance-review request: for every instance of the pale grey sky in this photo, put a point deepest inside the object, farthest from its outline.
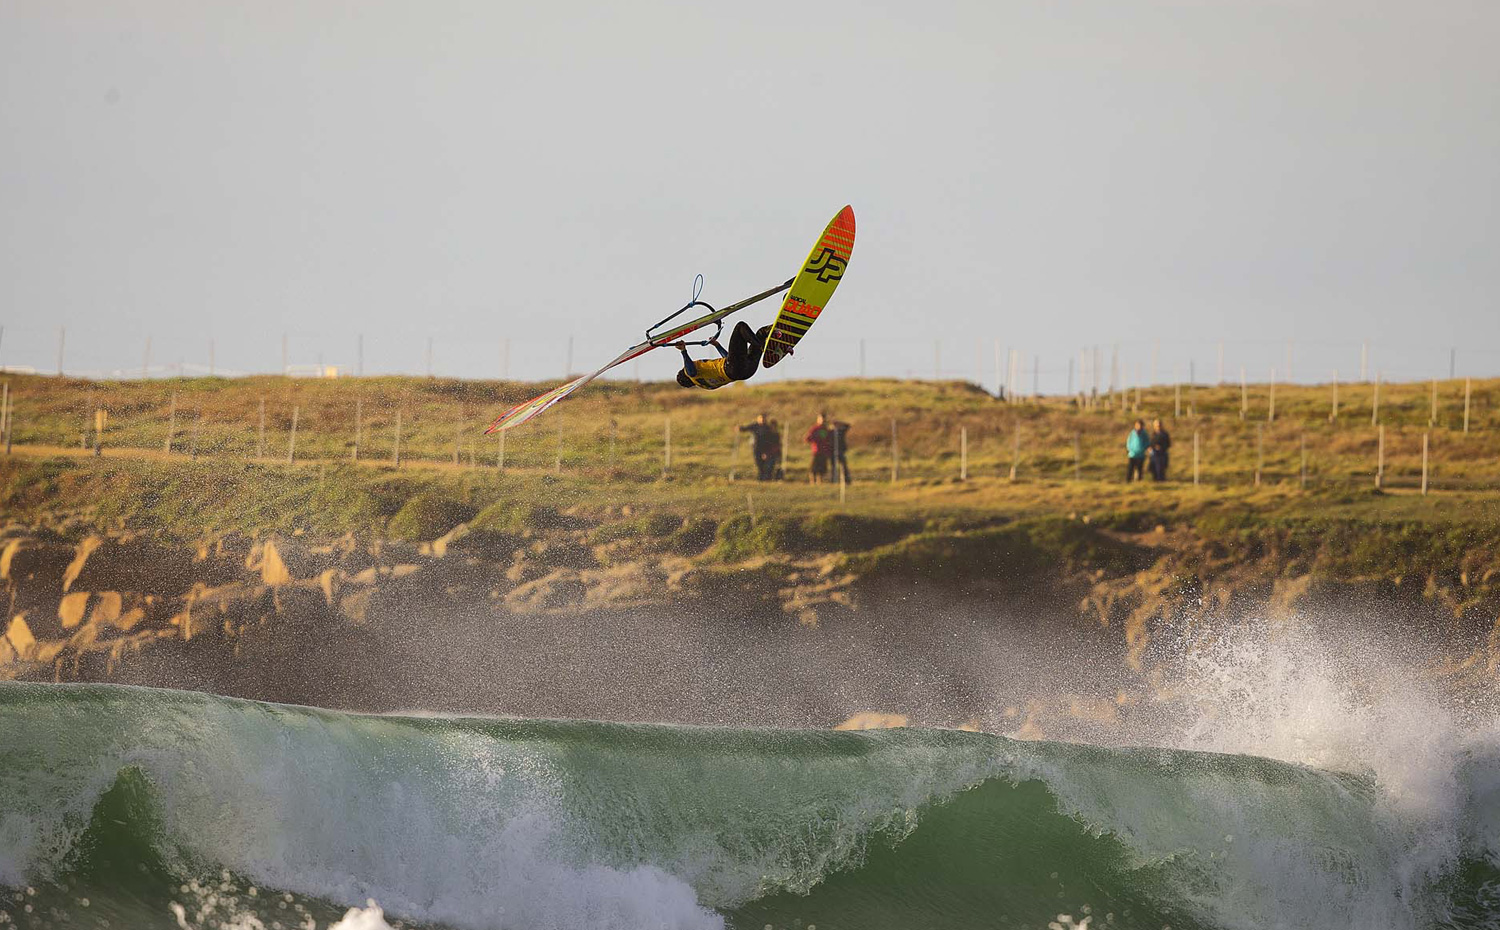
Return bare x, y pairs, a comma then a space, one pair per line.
1047, 174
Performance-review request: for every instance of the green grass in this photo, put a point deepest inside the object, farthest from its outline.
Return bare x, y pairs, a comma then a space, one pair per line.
616, 430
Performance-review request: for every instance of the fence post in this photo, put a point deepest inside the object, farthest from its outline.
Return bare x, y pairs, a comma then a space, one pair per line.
666, 462
1424, 464
963, 453
895, 452
1195, 458
1015, 459
359, 419
291, 449
1380, 457
1466, 405
1432, 414
100, 416
1260, 451
1192, 388
396, 448
457, 443
10, 425
172, 423
1375, 404
4, 410
840, 460
260, 435
1333, 416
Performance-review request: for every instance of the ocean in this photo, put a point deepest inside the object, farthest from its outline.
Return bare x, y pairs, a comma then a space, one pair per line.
137, 807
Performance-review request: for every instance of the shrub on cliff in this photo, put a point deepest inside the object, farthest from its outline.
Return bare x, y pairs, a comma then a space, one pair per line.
514, 516
428, 516
1005, 557
741, 538
657, 525
694, 536
846, 532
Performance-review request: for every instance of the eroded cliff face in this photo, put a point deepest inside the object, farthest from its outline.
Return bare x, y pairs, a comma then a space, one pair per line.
529, 621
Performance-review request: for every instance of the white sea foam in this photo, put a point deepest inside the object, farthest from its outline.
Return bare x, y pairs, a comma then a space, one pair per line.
1284, 692
369, 917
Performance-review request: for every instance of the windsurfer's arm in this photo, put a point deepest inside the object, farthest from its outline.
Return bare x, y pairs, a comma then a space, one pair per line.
687, 360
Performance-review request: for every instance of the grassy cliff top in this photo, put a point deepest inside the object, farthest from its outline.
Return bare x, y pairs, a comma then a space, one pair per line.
602, 456
617, 431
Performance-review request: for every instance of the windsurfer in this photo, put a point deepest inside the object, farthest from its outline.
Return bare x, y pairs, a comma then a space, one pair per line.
737, 364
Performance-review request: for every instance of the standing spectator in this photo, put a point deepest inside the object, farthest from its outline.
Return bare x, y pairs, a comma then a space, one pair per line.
775, 454
840, 431
1137, 441
1161, 441
820, 438
765, 446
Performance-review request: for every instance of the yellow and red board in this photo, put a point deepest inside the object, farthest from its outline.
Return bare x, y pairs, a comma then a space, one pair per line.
813, 287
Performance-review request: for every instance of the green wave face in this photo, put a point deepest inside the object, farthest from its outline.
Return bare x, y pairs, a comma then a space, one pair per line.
159, 808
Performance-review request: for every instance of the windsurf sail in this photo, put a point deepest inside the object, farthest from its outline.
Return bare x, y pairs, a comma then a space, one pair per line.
523, 412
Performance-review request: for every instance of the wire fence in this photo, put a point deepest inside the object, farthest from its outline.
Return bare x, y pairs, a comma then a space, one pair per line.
1434, 437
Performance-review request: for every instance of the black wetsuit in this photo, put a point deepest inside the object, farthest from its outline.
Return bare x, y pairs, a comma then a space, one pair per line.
739, 363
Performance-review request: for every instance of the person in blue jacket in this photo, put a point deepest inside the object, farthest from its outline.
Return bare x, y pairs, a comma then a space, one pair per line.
1137, 441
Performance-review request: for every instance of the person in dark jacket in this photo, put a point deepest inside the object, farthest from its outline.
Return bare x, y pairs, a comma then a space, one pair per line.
839, 458
765, 446
1137, 441
1161, 442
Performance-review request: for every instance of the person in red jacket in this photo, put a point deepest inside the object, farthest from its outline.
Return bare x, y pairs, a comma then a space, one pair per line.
821, 438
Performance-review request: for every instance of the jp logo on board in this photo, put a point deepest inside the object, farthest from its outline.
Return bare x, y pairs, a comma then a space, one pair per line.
827, 266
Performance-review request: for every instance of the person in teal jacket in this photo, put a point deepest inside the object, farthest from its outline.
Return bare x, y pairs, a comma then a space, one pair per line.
1137, 441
